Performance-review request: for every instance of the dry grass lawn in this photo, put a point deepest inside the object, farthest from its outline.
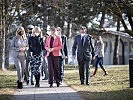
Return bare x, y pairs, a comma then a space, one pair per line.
7, 84
115, 86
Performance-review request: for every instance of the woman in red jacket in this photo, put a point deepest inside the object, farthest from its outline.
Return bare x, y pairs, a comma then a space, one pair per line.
53, 46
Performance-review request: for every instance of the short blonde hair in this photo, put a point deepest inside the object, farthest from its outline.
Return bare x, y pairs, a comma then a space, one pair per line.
37, 29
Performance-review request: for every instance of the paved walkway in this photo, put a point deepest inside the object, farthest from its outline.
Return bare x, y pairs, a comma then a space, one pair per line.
44, 92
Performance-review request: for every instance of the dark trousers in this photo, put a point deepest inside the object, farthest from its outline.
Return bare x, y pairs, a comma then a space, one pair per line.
84, 65
53, 64
99, 60
61, 68
44, 68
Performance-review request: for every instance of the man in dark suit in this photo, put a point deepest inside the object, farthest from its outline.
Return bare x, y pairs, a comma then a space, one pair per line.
64, 53
85, 52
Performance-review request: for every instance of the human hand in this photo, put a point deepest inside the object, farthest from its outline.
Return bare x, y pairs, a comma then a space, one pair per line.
93, 58
31, 54
52, 49
74, 56
22, 49
65, 57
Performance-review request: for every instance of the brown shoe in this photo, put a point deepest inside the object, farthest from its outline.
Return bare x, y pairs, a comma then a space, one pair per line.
105, 74
92, 75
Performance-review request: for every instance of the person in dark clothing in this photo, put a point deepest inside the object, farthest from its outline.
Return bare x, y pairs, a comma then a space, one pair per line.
53, 46
85, 52
36, 45
27, 74
44, 69
64, 53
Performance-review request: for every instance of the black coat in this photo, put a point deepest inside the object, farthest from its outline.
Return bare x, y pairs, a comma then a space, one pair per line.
36, 45
64, 43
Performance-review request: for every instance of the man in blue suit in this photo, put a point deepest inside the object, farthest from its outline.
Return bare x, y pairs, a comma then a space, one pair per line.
85, 53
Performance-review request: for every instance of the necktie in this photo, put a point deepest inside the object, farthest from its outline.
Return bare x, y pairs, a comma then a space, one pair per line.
82, 40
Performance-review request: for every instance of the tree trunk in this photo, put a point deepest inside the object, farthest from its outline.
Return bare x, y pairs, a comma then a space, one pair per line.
117, 38
7, 48
3, 46
1, 24
51, 17
123, 50
2, 51
102, 19
115, 57
68, 28
45, 14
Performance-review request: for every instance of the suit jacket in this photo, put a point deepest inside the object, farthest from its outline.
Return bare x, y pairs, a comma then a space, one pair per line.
84, 51
57, 45
64, 46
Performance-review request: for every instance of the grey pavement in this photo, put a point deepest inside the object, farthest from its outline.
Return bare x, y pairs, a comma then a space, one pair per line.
44, 92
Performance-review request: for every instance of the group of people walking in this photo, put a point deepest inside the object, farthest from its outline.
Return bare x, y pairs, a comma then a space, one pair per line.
30, 51
33, 52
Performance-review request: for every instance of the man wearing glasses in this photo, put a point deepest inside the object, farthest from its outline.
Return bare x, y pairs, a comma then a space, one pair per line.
85, 52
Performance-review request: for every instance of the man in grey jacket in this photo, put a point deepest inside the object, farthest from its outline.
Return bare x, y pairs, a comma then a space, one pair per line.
85, 52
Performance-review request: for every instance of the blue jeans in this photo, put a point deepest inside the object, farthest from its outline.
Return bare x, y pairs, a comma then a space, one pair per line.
99, 60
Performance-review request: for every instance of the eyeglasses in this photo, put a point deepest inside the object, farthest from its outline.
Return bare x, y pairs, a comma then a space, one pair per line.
82, 28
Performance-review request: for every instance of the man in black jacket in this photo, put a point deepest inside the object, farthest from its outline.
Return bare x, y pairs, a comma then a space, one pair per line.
85, 52
64, 53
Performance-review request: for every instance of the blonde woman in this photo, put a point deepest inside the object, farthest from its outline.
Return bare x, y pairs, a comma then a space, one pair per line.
36, 46
19, 46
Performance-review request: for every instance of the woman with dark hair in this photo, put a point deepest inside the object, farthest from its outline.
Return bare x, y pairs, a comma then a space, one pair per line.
99, 53
53, 46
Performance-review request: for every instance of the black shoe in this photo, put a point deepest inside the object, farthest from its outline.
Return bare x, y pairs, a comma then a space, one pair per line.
51, 85
32, 83
45, 78
20, 85
37, 85
87, 84
82, 83
27, 82
58, 84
